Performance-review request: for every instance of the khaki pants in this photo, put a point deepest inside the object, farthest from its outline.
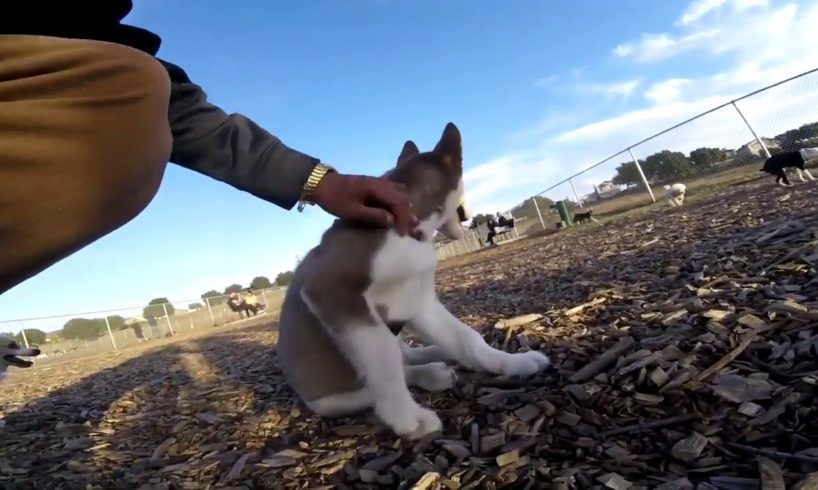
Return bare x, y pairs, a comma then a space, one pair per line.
84, 141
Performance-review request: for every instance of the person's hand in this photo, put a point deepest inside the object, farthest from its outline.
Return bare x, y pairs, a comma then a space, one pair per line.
375, 201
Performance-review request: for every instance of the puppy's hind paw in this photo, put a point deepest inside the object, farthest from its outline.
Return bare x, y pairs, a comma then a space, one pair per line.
435, 377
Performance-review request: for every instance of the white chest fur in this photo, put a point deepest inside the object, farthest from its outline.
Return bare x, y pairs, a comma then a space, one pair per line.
403, 276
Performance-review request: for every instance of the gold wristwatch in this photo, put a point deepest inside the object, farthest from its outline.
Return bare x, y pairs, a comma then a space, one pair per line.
313, 180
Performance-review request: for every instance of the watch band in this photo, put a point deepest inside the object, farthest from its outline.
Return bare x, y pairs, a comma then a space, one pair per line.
317, 174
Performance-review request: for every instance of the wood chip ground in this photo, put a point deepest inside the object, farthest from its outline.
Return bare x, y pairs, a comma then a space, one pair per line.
685, 344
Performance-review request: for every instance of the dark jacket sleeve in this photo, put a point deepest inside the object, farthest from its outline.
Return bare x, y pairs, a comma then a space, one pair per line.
232, 148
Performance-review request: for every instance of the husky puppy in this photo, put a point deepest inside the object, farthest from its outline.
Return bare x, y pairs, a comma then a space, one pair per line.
339, 345
9, 352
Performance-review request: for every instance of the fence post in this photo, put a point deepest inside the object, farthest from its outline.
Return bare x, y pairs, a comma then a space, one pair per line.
167, 317
25, 339
642, 174
210, 311
760, 142
110, 334
576, 196
539, 214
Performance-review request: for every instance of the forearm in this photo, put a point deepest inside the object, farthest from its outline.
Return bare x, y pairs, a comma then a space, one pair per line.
232, 148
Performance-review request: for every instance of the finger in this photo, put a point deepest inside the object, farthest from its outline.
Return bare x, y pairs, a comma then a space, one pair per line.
405, 220
395, 199
373, 216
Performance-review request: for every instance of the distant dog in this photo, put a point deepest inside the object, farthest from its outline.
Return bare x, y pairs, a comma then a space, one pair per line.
675, 194
776, 164
580, 218
9, 350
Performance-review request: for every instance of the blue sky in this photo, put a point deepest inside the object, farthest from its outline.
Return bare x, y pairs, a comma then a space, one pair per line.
538, 89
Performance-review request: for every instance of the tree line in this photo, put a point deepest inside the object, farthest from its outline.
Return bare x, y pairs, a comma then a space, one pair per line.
156, 309
34, 336
666, 165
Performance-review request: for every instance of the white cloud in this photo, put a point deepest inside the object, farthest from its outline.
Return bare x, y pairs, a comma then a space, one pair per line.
756, 44
636, 124
701, 8
751, 27
656, 47
698, 9
667, 90
619, 89
572, 77
546, 81
488, 184
746, 4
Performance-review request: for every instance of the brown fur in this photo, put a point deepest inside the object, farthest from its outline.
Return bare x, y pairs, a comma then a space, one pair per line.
336, 273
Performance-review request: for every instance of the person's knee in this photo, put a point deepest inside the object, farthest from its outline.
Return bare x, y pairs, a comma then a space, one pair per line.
89, 139
129, 135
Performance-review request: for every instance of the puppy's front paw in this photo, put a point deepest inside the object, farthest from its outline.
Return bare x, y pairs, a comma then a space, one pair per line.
435, 377
525, 363
409, 421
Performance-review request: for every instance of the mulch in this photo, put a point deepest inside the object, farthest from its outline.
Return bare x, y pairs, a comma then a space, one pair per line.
685, 344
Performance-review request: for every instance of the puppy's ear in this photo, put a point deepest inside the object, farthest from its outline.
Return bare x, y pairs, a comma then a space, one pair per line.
409, 150
449, 148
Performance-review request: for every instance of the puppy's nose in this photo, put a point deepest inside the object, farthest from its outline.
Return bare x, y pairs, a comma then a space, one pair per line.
36, 352
461, 214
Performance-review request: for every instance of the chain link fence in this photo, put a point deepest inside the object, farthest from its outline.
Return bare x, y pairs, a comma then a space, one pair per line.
725, 145
88, 333
722, 146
